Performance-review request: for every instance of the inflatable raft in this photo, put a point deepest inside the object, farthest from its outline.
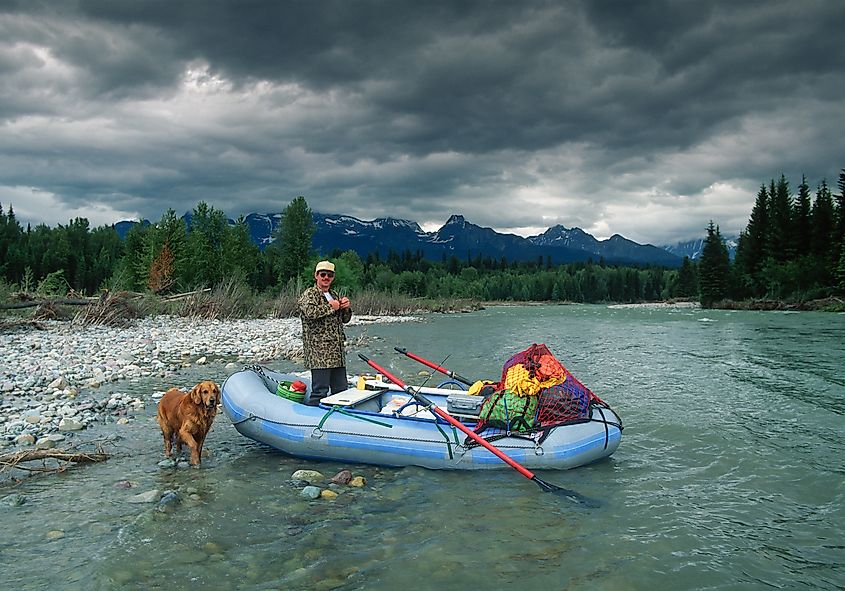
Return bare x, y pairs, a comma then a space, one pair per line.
377, 423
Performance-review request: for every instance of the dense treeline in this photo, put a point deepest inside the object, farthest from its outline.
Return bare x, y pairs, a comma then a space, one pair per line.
792, 248
169, 256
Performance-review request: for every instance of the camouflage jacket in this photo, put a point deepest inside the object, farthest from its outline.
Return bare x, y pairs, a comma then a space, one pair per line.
322, 329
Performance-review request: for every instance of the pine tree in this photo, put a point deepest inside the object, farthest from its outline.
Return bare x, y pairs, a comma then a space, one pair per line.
802, 224
714, 268
823, 223
839, 214
171, 231
240, 254
293, 237
751, 251
687, 283
840, 270
205, 245
161, 271
780, 236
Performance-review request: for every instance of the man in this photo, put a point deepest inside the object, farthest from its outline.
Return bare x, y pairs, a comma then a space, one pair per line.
323, 314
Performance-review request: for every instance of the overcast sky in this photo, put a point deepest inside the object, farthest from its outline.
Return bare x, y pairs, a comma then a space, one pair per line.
642, 118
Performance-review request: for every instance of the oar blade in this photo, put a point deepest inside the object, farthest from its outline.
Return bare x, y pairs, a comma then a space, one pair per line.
572, 495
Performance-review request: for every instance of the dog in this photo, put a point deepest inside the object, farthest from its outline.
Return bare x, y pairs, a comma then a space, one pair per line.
187, 417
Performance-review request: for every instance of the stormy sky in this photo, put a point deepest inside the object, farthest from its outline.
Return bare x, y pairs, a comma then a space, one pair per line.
643, 118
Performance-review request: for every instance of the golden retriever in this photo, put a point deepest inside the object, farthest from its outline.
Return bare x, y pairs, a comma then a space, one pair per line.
187, 417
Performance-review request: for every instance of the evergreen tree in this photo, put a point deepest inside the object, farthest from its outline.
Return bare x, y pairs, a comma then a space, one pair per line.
687, 285
714, 268
751, 251
133, 271
12, 259
839, 215
823, 223
240, 255
840, 271
106, 252
170, 231
780, 234
205, 245
293, 237
802, 224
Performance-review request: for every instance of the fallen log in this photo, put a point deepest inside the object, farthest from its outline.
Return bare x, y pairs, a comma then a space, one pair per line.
12, 460
62, 302
182, 296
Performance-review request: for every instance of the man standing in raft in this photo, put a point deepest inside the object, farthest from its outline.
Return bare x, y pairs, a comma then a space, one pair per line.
323, 315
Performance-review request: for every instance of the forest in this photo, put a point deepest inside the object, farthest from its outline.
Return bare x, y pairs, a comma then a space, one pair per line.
792, 249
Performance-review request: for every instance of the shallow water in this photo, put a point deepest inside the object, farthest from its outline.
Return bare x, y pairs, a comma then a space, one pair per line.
729, 476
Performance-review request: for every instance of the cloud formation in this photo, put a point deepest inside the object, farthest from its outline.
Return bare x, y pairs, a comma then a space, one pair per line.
646, 119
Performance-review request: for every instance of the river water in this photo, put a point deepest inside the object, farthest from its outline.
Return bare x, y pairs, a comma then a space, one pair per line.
729, 476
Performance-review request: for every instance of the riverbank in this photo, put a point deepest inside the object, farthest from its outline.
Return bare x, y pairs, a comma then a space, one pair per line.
830, 304
53, 373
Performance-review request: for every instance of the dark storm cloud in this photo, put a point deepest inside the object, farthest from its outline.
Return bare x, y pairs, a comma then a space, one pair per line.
643, 118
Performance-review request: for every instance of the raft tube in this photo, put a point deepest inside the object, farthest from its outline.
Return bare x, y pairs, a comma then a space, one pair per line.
361, 432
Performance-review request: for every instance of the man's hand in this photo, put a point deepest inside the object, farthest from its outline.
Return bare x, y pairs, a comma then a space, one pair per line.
335, 304
344, 303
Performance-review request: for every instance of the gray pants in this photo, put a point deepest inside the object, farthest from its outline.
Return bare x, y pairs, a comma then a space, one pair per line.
323, 380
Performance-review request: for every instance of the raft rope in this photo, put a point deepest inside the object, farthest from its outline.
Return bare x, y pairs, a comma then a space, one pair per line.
335, 432
350, 415
606, 430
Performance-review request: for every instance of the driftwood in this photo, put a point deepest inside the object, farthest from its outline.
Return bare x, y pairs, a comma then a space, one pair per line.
87, 301
14, 459
182, 296
61, 302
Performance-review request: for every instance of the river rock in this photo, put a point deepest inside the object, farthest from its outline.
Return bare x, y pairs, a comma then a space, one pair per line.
24, 439
59, 383
13, 500
169, 500
67, 424
342, 477
151, 496
309, 476
45, 443
328, 494
310, 492
55, 534
358, 481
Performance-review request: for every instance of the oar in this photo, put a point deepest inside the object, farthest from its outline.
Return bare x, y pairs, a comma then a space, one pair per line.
434, 366
545, 486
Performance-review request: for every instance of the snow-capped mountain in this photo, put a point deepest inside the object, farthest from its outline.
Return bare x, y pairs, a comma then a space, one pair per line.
460, 238
693, 248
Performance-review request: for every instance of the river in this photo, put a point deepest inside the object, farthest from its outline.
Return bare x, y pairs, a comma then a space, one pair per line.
729, 476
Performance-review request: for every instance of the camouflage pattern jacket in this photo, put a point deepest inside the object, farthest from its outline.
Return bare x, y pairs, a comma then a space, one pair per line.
322, 330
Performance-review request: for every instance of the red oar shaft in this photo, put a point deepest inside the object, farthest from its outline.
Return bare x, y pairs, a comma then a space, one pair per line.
451, 420
434, 366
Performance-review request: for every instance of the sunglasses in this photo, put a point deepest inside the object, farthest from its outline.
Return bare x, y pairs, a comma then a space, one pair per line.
325, 274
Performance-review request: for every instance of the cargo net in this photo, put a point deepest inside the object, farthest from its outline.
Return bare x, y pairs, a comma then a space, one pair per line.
536, 394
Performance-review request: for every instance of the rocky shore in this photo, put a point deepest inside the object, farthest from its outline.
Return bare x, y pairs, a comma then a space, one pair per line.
51, 378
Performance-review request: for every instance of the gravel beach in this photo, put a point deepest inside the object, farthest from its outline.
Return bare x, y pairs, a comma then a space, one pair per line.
50, 379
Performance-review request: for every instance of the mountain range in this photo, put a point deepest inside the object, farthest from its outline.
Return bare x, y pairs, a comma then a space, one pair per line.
460, 238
